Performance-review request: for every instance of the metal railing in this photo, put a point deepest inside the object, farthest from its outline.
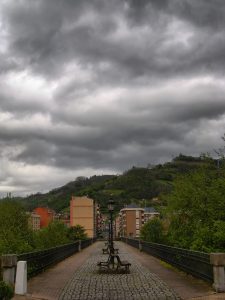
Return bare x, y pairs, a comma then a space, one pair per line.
38, 261
192, 262
86, 243
133, 242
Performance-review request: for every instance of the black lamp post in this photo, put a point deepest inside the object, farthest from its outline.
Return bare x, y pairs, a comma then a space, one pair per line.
111, 209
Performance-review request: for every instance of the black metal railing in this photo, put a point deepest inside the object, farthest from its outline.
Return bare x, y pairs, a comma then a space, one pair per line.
133, 242
192, 262
86, 243
38, 261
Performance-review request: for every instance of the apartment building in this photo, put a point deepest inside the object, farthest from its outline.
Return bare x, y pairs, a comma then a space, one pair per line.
99, 221
131, 220
117, 226
34, 221
46, 215
150, 213
83, 211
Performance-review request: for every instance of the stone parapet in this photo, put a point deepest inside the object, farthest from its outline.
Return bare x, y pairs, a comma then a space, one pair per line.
218, 262
8, 263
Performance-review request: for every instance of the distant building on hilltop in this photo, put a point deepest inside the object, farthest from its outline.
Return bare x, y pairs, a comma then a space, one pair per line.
46, 215
83, 211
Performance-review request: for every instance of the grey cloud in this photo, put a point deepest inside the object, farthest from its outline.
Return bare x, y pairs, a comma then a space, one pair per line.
40, 35
19, 106
88, 50
202, 13
7, 64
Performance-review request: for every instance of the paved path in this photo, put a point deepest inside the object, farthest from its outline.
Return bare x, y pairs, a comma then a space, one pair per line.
48, 285
77, 278
87, 283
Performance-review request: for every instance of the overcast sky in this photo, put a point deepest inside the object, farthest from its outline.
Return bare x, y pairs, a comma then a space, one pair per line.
97, 86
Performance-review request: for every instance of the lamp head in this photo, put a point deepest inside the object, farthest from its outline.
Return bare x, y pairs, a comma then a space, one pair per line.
111, 204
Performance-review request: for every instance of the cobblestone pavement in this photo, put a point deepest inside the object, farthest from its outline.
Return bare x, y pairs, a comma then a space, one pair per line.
88, 283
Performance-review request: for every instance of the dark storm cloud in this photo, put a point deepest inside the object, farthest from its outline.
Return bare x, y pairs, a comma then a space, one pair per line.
104, 85
50, 34
202, 13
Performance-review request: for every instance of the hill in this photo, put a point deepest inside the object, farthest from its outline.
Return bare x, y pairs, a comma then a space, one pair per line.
137, 185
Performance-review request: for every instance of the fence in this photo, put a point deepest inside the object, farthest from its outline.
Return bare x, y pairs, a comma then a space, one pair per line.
192, 262
38, 261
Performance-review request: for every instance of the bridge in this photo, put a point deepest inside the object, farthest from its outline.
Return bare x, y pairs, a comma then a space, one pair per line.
78, 277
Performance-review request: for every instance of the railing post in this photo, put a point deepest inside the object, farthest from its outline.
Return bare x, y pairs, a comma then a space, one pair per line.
218, 262
9, 262
79, 246
140, 245
21, 278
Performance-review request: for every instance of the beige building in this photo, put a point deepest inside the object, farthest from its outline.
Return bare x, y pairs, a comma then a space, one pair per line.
83, 212
131, 220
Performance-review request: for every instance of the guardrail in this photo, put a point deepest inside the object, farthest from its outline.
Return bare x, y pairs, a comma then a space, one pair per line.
192, 262
86, 243
38, 261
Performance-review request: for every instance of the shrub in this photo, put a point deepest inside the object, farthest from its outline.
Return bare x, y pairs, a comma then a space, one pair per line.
6, 291
152, 231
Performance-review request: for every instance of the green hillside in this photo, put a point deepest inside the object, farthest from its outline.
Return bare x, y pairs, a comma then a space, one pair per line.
137, 185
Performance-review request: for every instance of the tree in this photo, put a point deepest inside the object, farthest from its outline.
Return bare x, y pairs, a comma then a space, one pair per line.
77, 232
54, 235
196, 208
152, 231
15, 235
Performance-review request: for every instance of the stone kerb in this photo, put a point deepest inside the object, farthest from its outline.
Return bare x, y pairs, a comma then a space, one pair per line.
218, 262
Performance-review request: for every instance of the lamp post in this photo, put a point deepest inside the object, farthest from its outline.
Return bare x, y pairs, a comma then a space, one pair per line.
111, 209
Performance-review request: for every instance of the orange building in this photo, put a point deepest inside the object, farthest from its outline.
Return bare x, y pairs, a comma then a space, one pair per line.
83, 212
46, 215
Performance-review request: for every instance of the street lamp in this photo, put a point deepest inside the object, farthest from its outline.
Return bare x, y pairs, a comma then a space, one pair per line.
111, 209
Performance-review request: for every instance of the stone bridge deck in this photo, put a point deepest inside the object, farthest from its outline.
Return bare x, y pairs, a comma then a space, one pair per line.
78, 278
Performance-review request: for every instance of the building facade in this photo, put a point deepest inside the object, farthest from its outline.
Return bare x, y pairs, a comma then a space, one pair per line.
131, 220
34, 221
150, 213
83, 212
46, 215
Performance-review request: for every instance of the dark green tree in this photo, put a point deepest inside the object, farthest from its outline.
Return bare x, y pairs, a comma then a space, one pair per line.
54, 235
196, 208
77, 232
15, 235
152, 231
